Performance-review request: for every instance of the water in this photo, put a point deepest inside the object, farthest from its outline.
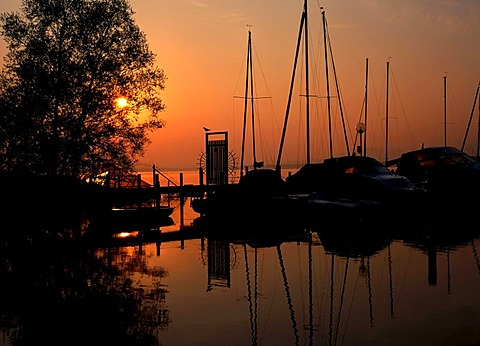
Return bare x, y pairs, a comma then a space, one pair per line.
373, 285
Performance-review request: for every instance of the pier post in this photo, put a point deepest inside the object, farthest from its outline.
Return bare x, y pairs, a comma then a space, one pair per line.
182, 202
156, 184
139, 186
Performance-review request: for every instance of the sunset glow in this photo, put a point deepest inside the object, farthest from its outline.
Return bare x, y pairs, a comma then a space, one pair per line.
122, 102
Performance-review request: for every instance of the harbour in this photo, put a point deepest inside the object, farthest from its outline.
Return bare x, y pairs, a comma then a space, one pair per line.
327, 241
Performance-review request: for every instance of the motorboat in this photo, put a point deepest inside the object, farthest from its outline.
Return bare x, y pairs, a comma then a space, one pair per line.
441, 169
353, 177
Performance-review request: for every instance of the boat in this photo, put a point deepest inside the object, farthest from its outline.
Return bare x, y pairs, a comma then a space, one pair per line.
353, 185
259, 190
132, 218
259, 193
443, 171
357, 186
142, 213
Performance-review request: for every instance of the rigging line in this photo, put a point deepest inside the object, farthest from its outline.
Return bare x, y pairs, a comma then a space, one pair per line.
249, 295
377, 126
359, 120
292, 83
337, 88
342, 298
454, 109
265, 151
302, 127
404, 116
328, 84
289, 297
240, 74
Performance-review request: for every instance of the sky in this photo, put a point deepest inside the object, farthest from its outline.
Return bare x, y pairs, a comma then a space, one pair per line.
430, 48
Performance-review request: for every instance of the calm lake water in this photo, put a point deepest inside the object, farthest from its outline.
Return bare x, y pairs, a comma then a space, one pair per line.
372, 284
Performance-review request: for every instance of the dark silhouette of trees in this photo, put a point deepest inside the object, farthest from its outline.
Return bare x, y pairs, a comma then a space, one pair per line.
68, 62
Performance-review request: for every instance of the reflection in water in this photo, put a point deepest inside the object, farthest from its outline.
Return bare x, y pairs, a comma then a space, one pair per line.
59, 291
218, 263
278, 284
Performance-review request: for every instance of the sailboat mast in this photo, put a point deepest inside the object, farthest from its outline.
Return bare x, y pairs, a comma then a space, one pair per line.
445, 111
245, 106
307, 83
366, 108
248, 86
328, 48
470, 120
292, 82
478, 130
252, 100
386, 115
328, 84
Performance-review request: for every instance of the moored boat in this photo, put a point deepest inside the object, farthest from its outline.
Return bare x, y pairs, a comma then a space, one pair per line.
450, 177
132, 218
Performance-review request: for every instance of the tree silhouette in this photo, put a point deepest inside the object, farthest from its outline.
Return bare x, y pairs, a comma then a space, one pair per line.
68, 62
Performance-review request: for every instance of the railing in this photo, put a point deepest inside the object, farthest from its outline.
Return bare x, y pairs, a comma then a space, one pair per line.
156, 181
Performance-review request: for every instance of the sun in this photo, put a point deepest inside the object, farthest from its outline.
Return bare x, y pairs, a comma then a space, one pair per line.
122, 102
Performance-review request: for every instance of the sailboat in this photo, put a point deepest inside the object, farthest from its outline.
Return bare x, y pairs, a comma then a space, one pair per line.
303, 37
351, 183
446, 173
260, 192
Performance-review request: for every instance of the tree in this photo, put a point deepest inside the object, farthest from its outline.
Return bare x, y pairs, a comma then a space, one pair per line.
67, 63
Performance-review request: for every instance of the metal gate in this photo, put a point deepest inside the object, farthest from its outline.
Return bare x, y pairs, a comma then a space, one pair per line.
216, 158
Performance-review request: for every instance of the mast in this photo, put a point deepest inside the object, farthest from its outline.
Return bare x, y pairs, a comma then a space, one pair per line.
304, 30
478, 129
245, 108
328, 84
366, 103
386, 116
328, 49
307, 83
445, 110
249, 94
252, 100
470, 120
303, 21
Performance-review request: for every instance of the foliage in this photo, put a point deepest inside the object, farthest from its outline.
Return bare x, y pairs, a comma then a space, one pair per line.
67, 63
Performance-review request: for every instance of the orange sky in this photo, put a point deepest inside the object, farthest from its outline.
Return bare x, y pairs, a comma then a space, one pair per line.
202, 47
